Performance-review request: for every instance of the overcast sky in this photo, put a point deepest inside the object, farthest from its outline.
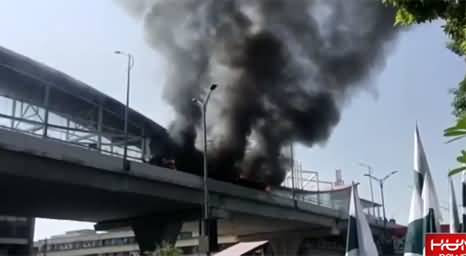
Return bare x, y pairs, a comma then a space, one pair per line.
377, 125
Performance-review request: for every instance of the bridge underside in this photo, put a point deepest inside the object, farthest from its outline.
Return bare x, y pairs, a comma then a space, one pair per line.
50, 179
29, 185
22, 196
34, 186
88, 204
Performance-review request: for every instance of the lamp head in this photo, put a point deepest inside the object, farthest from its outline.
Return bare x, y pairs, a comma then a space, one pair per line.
196, 100
364, 165
117, 52
213, 87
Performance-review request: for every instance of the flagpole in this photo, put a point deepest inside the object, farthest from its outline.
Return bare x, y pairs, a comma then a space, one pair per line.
463, 192
453, 208
348, 229
359, 238
416, 223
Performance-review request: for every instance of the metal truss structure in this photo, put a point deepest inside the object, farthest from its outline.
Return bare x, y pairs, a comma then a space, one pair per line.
35, 120
40, 101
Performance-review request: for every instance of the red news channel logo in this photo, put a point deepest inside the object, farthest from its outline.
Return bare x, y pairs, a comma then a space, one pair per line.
445, 244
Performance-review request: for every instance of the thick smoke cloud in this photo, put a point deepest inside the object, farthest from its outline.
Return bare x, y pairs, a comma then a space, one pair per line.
284, 69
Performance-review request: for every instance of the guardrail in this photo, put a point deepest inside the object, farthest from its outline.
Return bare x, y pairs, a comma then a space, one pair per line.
336, 198
38, 121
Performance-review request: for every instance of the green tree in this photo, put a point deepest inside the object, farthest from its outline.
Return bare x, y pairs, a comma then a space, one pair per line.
458, 132
165, 249
459, 100
453, 13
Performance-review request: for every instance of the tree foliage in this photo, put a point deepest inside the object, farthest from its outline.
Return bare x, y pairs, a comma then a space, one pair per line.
453, 13
458, 132
165, 249
459, 100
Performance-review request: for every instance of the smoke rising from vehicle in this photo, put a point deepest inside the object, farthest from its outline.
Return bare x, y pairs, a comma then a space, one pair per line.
284, 70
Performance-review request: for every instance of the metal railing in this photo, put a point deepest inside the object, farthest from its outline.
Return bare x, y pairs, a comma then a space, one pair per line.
306, 186
21, 116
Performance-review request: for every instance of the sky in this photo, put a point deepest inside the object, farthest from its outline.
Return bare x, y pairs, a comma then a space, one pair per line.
78, 37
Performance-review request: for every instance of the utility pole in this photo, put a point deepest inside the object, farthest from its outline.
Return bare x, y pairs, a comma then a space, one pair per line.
128, 86
292, 174
381, 181
369, 173
203, 105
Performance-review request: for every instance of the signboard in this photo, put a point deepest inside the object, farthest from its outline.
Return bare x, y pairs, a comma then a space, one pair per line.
445, 244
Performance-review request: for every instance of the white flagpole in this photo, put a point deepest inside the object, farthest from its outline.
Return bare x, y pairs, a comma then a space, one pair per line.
453, 209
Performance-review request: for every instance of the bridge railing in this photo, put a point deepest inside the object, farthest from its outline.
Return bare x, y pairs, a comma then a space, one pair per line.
333, 199
328, 195
21, 116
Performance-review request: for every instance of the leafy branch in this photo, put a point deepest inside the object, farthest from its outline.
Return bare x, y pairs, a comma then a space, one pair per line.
458, 132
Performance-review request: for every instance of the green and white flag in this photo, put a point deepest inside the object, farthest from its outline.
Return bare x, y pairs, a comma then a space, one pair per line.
359, 240
453, 209
431, 206
463, 206
431, 209
424, 214
414, 242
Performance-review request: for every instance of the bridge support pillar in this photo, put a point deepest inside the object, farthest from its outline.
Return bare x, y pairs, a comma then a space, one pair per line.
212, 231
286, 245
151, 233
280, 243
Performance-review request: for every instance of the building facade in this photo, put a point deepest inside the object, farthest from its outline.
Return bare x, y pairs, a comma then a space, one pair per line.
16, 236
114, 243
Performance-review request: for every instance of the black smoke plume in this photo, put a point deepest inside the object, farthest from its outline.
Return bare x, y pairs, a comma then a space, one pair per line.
284, 69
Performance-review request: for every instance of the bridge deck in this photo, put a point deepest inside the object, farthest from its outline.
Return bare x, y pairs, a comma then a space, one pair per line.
47, 178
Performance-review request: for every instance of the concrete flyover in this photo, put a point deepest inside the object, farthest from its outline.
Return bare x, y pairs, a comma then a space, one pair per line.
48, 178
61, 143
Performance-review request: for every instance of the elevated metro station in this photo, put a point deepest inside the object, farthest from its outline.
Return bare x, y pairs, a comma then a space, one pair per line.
61, 147
41, 101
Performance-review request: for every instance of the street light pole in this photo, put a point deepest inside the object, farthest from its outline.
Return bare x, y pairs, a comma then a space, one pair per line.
128, 86
369, 173
203, 104
383, 206
381, 181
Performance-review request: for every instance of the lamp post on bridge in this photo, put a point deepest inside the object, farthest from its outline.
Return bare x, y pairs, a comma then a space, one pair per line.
381, 181
128, 86
369, 173
203, 104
